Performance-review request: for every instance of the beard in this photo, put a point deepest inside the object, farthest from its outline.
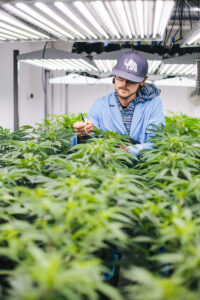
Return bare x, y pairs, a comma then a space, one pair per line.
124, 97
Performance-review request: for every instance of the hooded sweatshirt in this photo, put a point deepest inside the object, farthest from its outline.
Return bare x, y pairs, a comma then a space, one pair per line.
145, 93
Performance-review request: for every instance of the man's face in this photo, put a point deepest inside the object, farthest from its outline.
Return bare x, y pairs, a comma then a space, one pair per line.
125, 88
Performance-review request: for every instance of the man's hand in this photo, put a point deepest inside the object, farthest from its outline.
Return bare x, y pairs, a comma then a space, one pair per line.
125, 148
83, 128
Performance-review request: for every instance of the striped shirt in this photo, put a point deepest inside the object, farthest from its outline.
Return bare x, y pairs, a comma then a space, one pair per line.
147, 92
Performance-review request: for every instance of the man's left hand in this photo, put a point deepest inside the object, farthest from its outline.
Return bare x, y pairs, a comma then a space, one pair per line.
125, 148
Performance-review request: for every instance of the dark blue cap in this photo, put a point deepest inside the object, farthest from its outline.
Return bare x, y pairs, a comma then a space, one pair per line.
131, 66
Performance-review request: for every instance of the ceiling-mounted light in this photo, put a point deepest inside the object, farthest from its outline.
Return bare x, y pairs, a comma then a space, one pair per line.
79, 79
18, 31
140, 15
97, 20
148, 17
100, 8
158, 11
25, 8
10, 20
153, 66
192, 38
119, 7
63, 8
7, 36
177, 69
86, 13
15, 35
57, 18
167, 9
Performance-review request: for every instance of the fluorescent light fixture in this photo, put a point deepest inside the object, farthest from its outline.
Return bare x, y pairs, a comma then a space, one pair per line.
11, 20
7, 36
18, 31
139, 9
100, 9
79, 79
25, 8
105, 66
57, 18
176, 81
158, 11
153, 65
62, 64
97, 20
64, 9
192, 38
148, 17
85, 12
119, 7
15, 35
166, 13
178, 69
131, 20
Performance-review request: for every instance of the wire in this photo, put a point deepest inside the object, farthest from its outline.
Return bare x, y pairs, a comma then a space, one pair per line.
167, 38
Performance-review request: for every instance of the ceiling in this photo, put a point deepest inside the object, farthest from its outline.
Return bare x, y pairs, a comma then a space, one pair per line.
166, 29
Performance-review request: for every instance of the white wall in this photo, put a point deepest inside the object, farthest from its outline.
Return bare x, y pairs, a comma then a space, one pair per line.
177, 99
80, 97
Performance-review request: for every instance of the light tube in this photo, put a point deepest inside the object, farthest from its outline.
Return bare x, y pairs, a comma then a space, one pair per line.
171, 69
148, 18
139, 9
80, 64
180, 67
158, 11
64, 9
7, 36
88, 64
190, 71
129, 16
153, 65
167, 10
16, 30
19, 13
57, 18
18, 36
164, 68
85, 12
39, 63
69, 63
195, 38
108, 65
123, 17
187, 70
135, 19
100, 9
40, 18
113, 15
76, 65
100, 65
46, 62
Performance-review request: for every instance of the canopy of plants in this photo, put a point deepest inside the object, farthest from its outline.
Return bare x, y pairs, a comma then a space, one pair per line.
64, 210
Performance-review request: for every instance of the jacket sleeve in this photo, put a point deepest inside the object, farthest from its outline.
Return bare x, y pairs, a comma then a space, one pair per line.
156, 118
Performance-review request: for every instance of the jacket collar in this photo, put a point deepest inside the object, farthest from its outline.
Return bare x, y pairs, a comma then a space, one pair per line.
112, 100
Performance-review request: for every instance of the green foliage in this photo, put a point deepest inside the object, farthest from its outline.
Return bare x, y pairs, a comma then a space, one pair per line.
63, 206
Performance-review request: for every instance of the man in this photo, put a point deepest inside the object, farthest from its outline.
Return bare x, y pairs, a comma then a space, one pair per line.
132, 109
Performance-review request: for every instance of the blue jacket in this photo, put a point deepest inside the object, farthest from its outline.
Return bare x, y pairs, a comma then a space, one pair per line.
106, 116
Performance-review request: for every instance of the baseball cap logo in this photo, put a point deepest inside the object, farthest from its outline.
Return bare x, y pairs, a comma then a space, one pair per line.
130, 64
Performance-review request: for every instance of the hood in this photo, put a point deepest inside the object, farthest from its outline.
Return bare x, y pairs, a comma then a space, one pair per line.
147, 92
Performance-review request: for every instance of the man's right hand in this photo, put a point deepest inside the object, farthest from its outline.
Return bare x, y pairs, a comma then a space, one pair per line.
83, 128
